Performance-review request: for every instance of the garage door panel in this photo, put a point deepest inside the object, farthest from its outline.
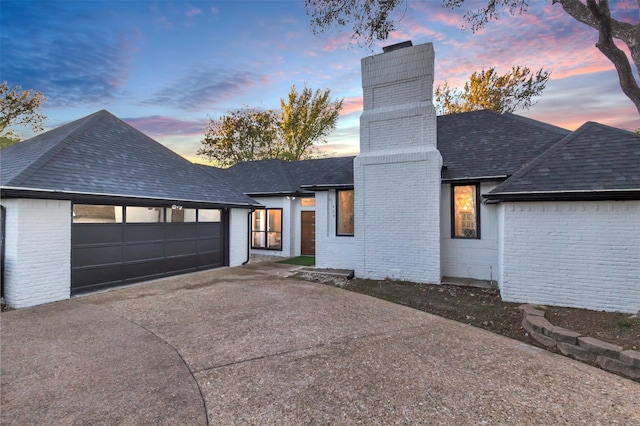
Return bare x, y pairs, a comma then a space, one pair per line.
183, 263
213, 258
179, 248
86, 256
110, 254
96, 233
176, 231
144, 232
148, 268
97, 277
209, 244
140, 251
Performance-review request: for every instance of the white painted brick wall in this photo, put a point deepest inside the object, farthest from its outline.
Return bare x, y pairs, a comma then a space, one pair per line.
470, 258
578, 254
37, 251
397, 174
238, 236
332, 251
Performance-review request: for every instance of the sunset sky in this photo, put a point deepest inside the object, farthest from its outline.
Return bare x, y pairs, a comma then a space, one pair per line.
165, 67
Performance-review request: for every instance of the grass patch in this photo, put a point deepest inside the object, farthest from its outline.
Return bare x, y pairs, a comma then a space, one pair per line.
300, 260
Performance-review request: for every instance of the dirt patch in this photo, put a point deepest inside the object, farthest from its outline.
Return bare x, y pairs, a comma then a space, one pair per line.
483, 308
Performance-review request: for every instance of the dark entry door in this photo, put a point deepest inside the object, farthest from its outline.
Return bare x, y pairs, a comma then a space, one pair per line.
308, 233
111, 254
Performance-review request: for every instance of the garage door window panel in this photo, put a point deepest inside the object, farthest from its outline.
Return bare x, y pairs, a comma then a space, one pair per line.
145, 214
177, 214
88, 213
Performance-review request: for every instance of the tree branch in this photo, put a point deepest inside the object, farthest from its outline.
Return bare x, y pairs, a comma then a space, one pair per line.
605, 44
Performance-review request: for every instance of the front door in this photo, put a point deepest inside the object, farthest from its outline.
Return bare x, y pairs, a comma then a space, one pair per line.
308, 233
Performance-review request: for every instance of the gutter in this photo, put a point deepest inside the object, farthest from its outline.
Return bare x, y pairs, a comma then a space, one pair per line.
476, 179
579, 195
54, 194
327, 187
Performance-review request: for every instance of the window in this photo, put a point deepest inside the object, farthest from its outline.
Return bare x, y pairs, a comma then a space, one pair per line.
144, 214
179, 214
266, 229
465, 221
85, 213
308, 201
209, 215
344, 213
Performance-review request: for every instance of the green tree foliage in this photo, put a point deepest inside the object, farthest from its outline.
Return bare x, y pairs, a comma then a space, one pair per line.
246, 134
6, 141
488, 90
306, 119
372, 20
250, 134
19, 108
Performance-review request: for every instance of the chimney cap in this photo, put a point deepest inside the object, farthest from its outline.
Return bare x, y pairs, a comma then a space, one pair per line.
397, 46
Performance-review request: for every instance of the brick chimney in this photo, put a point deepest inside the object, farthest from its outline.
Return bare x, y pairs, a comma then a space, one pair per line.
397, 174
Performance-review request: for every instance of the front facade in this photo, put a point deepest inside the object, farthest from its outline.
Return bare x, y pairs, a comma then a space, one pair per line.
548, 215
286, 224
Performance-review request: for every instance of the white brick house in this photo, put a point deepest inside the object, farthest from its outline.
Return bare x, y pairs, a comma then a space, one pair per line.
549, 215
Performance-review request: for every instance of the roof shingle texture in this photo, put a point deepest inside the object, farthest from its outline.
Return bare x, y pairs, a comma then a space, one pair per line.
101, 154
593, 158
485, 143
286, 177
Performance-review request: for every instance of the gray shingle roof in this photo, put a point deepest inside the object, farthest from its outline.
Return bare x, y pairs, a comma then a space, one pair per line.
595, 161
102, 155
268, 177
485, 143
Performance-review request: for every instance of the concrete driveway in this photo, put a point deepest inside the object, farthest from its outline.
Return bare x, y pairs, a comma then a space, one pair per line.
249, 346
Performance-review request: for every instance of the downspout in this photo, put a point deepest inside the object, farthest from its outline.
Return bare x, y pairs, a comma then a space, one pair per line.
249, 238
3, 213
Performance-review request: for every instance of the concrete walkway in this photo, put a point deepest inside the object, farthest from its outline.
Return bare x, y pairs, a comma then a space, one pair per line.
249, 346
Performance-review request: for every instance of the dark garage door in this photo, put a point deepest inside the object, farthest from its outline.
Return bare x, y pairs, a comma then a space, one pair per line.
111, 254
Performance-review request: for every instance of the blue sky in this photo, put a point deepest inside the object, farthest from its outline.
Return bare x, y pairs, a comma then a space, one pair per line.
165, 67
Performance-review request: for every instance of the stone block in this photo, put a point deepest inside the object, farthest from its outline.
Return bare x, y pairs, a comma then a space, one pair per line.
530, 310
630, 357
536, 323
600, 347
577, 352
618, 367
563, 335
541, 338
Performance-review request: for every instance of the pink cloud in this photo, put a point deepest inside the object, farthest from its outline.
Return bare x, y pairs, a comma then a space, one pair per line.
351, 105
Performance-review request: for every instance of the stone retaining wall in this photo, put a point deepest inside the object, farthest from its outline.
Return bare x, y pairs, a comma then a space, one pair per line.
587, 349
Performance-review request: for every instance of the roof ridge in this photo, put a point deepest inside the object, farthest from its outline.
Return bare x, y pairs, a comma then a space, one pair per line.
543, 156
285, 172
60, 145
538, 123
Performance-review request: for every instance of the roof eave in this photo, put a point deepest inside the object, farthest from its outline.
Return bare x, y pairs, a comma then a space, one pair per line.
327, 186
580, 195
48, 194
476, 179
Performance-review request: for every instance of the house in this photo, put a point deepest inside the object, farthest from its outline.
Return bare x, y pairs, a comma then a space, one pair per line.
96, 203
548, 215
